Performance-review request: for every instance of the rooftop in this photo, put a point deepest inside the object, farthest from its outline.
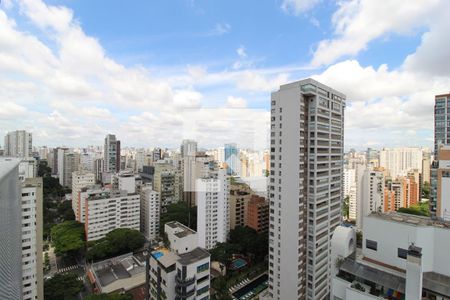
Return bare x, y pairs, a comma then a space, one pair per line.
181, 230
193, 256
165, 256
410, 219
117, 268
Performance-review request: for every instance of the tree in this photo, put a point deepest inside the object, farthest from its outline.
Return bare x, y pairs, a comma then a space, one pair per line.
180, 212
62, 287
65, 211
346, 207
220, 286
68, 237
117, 242
222, 252
426, 190
113, 296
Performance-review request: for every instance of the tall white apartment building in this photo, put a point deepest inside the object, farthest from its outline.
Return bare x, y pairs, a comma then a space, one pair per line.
213, 215
107, 210
307, 137
80, 179
183, 270
370, 194
193, 168
18, 143
10, 230
32, 223
150, 212
349, 180
188, 148
398, 161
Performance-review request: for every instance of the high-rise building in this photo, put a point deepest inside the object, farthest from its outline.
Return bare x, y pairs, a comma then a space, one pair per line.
59, 163
258, 213
80, 179
106, 210
71, 164
441, 121
426, 167
370, 194
349, 180
231, 157
398, 161
440, 193
213, 221
188, 148
32, 225
98, 169
150, 212
111, 154
194, 167
10, 230
239, 197
18, 143
307, 137
166, 181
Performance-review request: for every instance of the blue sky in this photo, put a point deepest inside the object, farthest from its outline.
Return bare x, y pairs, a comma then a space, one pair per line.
72, 71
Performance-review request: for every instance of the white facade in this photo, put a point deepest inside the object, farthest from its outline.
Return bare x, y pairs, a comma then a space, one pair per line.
183, 271
18, 143
386, 249
107, 210
349, 180
398, 161
150, 212
188, 148
10, 230
80, 180
32, 268
370, 194
87, 161
125, 181
307, 128
213, 216
27, 168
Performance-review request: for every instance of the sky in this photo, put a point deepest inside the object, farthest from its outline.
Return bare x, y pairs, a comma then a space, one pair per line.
155, 72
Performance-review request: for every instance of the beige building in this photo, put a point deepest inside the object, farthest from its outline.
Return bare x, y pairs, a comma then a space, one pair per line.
32, 267
240, 195
166, 181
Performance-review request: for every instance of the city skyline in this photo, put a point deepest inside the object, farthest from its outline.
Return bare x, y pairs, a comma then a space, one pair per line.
136, 84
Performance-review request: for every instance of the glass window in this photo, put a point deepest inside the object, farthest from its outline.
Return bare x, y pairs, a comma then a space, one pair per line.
402, 253
373, 245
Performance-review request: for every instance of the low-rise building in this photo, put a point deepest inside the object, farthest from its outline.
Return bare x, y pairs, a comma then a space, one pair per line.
402, 257
181, 271
118, 274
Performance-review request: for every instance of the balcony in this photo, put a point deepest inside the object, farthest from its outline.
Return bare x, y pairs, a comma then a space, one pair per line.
182, 294
184, 282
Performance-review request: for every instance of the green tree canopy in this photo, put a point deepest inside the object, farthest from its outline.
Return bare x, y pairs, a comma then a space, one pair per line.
117, 242
180, 212
68, 237
62, 287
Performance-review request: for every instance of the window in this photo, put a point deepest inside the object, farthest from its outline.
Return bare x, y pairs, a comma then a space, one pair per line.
402, 253
203, 267
371, 245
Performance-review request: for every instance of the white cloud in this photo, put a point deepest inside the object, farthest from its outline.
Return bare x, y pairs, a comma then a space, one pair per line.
358, 22
298, 6
236, 102
187, 99
241, 52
